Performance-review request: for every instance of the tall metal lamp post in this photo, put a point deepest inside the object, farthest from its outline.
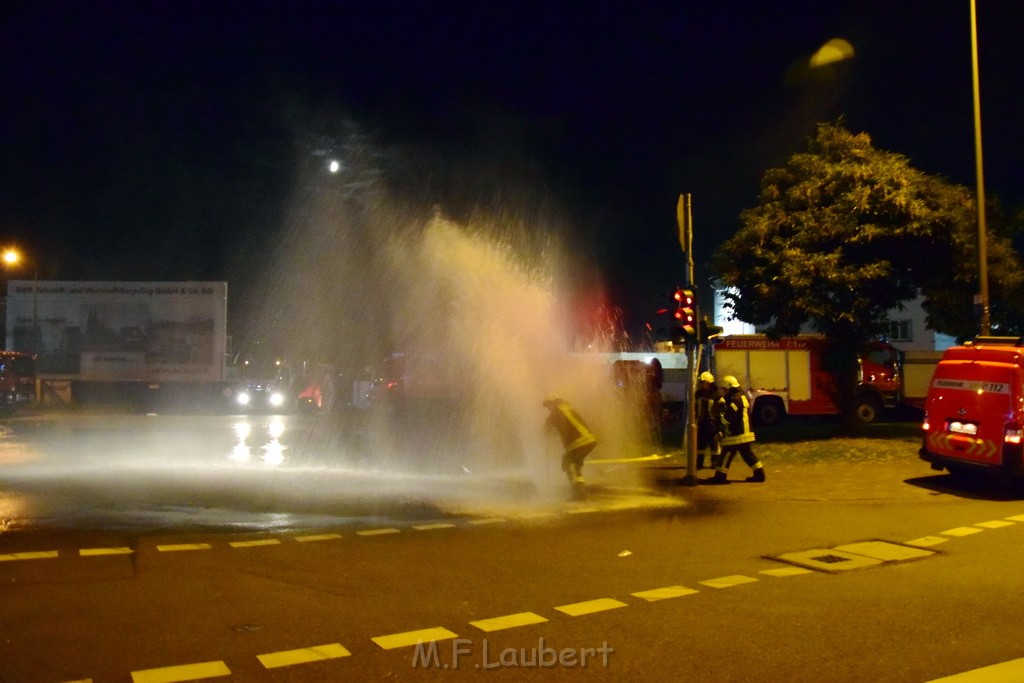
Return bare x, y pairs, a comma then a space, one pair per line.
986, 327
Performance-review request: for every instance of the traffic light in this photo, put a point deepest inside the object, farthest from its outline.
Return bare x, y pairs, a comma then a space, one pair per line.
686, 316
707, 332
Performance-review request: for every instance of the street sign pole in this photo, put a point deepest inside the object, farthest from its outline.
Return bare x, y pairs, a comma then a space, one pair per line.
684, 217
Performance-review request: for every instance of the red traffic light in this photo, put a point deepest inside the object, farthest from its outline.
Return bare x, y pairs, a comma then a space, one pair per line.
684, 297
686, 315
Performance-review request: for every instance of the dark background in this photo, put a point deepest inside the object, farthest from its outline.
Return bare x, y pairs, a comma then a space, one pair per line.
162, 140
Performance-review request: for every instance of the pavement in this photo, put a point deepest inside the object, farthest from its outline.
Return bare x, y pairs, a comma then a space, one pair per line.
866, 478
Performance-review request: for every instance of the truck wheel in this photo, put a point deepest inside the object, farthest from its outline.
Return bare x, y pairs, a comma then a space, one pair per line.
868, 410
769, 412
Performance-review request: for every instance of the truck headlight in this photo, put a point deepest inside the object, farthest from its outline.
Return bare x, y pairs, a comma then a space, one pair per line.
243, 398
277, 399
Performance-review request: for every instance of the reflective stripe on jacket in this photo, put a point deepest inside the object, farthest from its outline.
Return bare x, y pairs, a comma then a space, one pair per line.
570, 426
736, 418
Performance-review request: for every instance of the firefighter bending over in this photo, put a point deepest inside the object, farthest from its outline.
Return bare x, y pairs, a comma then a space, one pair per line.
577, 439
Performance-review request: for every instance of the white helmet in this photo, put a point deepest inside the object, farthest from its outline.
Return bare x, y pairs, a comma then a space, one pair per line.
731, 381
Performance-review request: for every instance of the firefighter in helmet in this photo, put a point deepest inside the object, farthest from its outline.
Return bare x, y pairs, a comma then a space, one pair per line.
577, 439
737, 436
709, 421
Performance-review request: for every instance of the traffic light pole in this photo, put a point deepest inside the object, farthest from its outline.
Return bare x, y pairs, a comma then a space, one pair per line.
684, 217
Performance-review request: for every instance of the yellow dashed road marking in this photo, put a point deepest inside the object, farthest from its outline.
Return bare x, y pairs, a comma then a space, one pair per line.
590, 606
175, 547
785, 571
1016, 518
408, 638
377, 532
38, 555
90, 552
252, 544
962, 531
317, 537
928, 541
182, 672
488, 520
994, 524
664, 593
581, 511
728, 581
273, 660
431, 527
508, 621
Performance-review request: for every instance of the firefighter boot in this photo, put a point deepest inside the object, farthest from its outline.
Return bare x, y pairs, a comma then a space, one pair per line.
719, 478
757, 476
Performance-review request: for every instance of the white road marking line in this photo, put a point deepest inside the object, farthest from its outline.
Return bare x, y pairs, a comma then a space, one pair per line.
273, 660
182, 672
425, 635
431, 527
488, 520
92, 552
176, 547
577, 609
995, 524
377, 532
35, 555
962, 531
728, 581
927, 541
317, 537
253, 544
508, 621
664, 593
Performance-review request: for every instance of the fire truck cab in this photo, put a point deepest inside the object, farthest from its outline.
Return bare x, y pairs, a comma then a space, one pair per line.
974, 413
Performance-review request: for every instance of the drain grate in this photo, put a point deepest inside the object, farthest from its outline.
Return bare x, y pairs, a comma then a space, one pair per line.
851, 556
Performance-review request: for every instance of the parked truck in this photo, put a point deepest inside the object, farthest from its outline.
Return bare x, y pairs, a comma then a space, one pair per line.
785, 376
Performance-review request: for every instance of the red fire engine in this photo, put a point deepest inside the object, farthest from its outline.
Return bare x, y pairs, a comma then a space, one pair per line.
785, 376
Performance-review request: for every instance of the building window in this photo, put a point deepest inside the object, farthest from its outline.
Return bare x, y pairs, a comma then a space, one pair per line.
900, 331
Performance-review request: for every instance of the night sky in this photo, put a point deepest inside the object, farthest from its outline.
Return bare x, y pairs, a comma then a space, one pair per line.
149, 140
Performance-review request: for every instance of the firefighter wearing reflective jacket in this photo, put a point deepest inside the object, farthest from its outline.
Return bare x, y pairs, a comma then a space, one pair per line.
577, 439
737, 435
709, 421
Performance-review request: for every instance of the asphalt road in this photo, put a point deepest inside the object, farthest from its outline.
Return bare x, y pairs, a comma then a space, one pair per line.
843, 572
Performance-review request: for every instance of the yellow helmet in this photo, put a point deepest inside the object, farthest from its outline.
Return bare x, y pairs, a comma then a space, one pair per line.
707, 377
731, 381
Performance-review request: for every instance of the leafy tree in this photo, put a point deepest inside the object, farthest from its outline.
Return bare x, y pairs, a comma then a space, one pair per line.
845, 232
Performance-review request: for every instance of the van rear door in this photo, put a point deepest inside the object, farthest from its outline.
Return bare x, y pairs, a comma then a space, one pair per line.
970, 404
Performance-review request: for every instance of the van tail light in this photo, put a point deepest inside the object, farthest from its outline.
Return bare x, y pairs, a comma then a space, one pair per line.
1013, 434
924, 423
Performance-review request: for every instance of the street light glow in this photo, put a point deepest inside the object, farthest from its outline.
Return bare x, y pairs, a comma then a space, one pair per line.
334, 166
11, 257
835, 50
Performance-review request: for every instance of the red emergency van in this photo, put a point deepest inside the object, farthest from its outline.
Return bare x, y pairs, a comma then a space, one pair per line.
974, 413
